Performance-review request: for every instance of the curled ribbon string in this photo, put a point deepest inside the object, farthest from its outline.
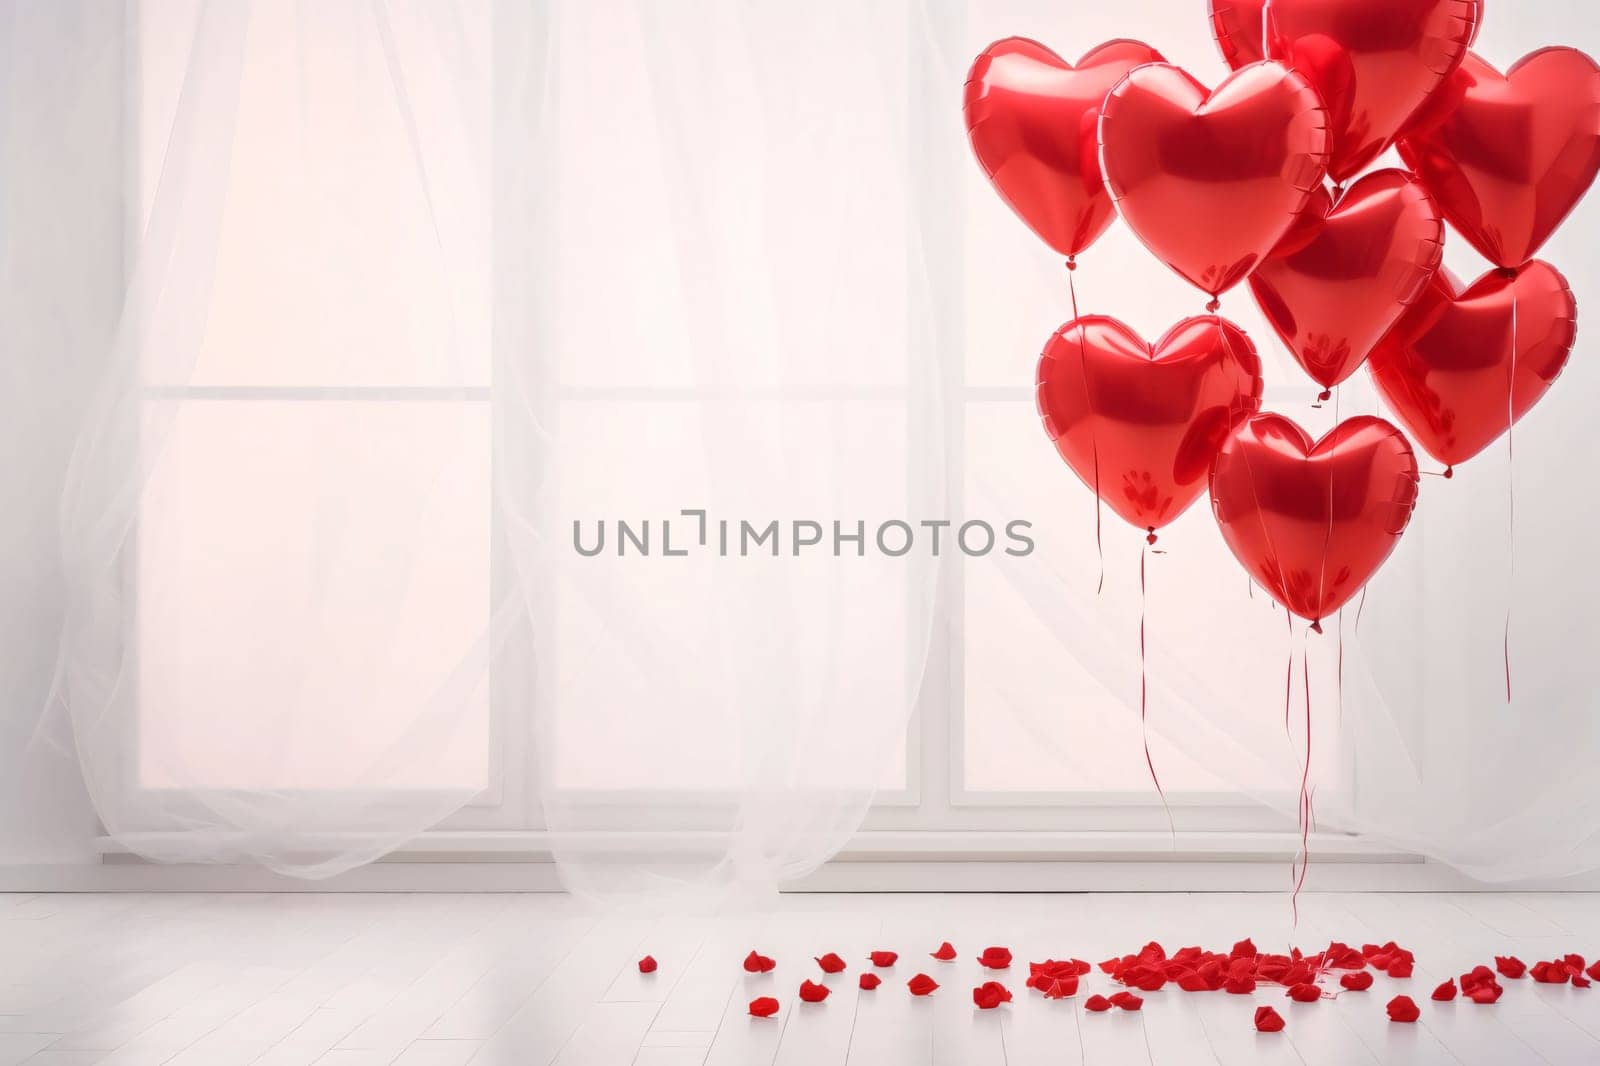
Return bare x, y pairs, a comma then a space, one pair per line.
1083, 367
1144, 703
1305, 787
1511, 497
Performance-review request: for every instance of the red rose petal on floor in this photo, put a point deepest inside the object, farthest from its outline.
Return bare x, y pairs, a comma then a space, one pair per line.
922, 985
811, 992
1239, 986
764, 1007
1510, 966
884, 959
1579, 981
990, 995
1097, 1004
869, 981
995, 959
1304, 993
831, 963
1060, 987
1484, 994
1400, 968
1402, 1009
1574, 962
1445, 992
1244, 949
647, 965
1268, 1020
1478, 975
1358, 981
1593, 972
945, 952
1550, 973
758, 963
1127, 1001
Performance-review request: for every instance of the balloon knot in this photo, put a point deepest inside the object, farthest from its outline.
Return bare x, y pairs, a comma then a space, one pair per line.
1214, 306
1325, 395
1152, 538
1316, 627
1449, 472
1509, 273
1072, 262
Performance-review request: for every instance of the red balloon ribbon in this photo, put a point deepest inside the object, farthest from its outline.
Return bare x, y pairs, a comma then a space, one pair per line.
1313, 522
1138, 424
1211, 181
1032, 118
1508, 156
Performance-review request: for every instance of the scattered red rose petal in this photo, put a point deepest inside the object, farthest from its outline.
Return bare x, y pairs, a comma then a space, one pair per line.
1268, 1020
647, 965
945, 953
1510, 966
990, 995
1359, 981
922, 985
1400, 968
1485, 994
1304, 993
1574, 962
1579, 981
1402, 1009
1127, 1001
995, 959
869, 981
758, 963
1059, 987
1550, 973
764, 1007
884, 959
1244, 949
1445, 992
1239, 986
811, 992
831, 963
1097, 1004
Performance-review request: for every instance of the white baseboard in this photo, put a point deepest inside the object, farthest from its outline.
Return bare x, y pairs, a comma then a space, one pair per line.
873, 862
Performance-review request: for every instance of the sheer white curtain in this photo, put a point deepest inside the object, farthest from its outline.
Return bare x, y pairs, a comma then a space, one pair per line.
414, 289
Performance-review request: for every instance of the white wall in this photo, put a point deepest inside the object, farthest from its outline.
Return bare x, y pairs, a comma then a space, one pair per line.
61, 223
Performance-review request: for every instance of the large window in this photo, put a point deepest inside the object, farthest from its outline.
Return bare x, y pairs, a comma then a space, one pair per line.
374, 392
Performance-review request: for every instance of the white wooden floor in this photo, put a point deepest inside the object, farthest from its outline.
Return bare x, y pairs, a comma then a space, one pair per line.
438, 980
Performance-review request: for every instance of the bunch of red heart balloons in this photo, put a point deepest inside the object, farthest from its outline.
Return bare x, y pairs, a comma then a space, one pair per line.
1232, 185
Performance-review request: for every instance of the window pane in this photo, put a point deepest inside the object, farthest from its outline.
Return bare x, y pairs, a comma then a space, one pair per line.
1052, 668
352, 248
309, 574
657, 655
725, 221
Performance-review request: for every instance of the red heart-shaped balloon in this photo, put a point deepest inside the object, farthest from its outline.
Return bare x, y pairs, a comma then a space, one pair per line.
1446, 369
1373, 62
1032, 119
1140, 425
1312, 523
1348, 270
1509, 156
1211, 181
1239, 29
